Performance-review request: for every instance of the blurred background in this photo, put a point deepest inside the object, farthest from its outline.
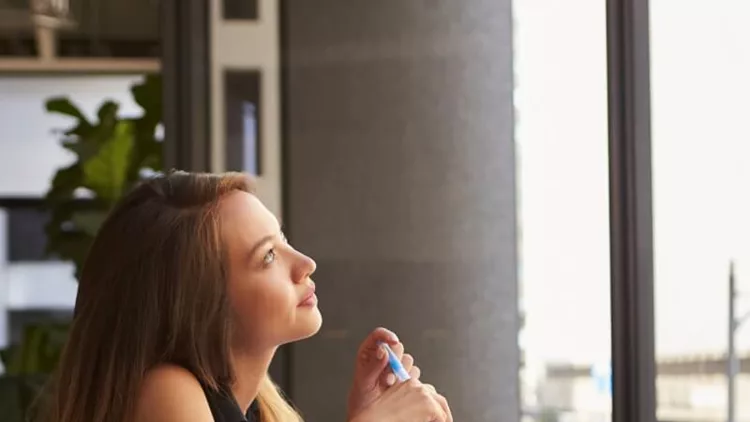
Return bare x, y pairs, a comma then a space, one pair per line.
447, 163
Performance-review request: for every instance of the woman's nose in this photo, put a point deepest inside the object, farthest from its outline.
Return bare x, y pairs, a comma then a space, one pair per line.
305, 268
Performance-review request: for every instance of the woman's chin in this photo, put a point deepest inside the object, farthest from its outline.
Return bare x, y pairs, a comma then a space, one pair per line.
309, 323
315, 323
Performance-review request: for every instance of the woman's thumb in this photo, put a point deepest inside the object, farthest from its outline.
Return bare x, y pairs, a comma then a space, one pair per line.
373, 361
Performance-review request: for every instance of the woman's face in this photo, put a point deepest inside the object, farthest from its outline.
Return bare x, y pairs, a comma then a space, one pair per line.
269, 285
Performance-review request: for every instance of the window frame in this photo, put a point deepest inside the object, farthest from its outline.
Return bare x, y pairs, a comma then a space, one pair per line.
631, 212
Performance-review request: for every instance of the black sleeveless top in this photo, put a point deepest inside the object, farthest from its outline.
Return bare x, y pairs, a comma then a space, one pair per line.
224, 408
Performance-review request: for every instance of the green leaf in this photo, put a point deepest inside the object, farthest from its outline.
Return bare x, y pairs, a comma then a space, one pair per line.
106, 172
81, 131
111, 154
33, 337
31, 362
11, 358
153, 157
65, 182
40, 348
108, 113
85, 140
11, 406
148, 95
5, 356
84, 150
63, 105
65, 240
146, 154
89, 222
19, 395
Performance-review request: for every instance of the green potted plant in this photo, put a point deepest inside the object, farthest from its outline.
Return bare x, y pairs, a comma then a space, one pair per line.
112, 154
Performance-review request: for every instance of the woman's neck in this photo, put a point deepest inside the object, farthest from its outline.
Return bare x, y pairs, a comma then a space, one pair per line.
249, 369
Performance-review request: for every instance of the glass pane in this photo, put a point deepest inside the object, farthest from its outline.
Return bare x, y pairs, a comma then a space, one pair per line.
701, 173
26, 238
242, 113
561, 135
241, 9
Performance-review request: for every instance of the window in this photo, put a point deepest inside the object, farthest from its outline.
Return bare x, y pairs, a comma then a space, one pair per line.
561, 136
701, 178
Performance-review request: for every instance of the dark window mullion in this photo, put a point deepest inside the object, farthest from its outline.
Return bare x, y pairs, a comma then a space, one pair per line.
186, 72
632, 281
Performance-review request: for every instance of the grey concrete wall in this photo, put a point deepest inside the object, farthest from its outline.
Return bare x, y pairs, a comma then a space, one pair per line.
400, 181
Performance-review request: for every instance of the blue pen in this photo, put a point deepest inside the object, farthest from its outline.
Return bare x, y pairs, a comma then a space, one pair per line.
398, 369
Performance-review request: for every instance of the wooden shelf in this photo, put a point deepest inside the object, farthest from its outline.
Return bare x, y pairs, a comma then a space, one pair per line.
78, 65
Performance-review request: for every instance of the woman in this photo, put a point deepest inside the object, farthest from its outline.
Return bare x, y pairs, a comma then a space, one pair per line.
188, 290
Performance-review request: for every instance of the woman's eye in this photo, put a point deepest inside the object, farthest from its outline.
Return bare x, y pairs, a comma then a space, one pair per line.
269, 257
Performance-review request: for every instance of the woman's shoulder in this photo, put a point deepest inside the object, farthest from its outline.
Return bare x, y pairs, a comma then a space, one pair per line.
170, 393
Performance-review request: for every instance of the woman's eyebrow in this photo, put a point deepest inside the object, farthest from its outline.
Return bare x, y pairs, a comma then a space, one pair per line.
261, 242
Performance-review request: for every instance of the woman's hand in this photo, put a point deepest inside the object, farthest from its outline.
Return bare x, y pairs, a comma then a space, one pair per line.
372, 376
410, 401
376, 396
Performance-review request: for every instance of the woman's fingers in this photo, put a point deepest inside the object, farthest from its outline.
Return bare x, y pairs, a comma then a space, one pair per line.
398, 349
441, 401
407, 361
444, 405
415, 372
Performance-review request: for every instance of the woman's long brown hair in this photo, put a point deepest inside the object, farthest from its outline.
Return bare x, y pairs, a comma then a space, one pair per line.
153, 291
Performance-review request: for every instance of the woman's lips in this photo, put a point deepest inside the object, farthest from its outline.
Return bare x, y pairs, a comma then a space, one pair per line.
310, 299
